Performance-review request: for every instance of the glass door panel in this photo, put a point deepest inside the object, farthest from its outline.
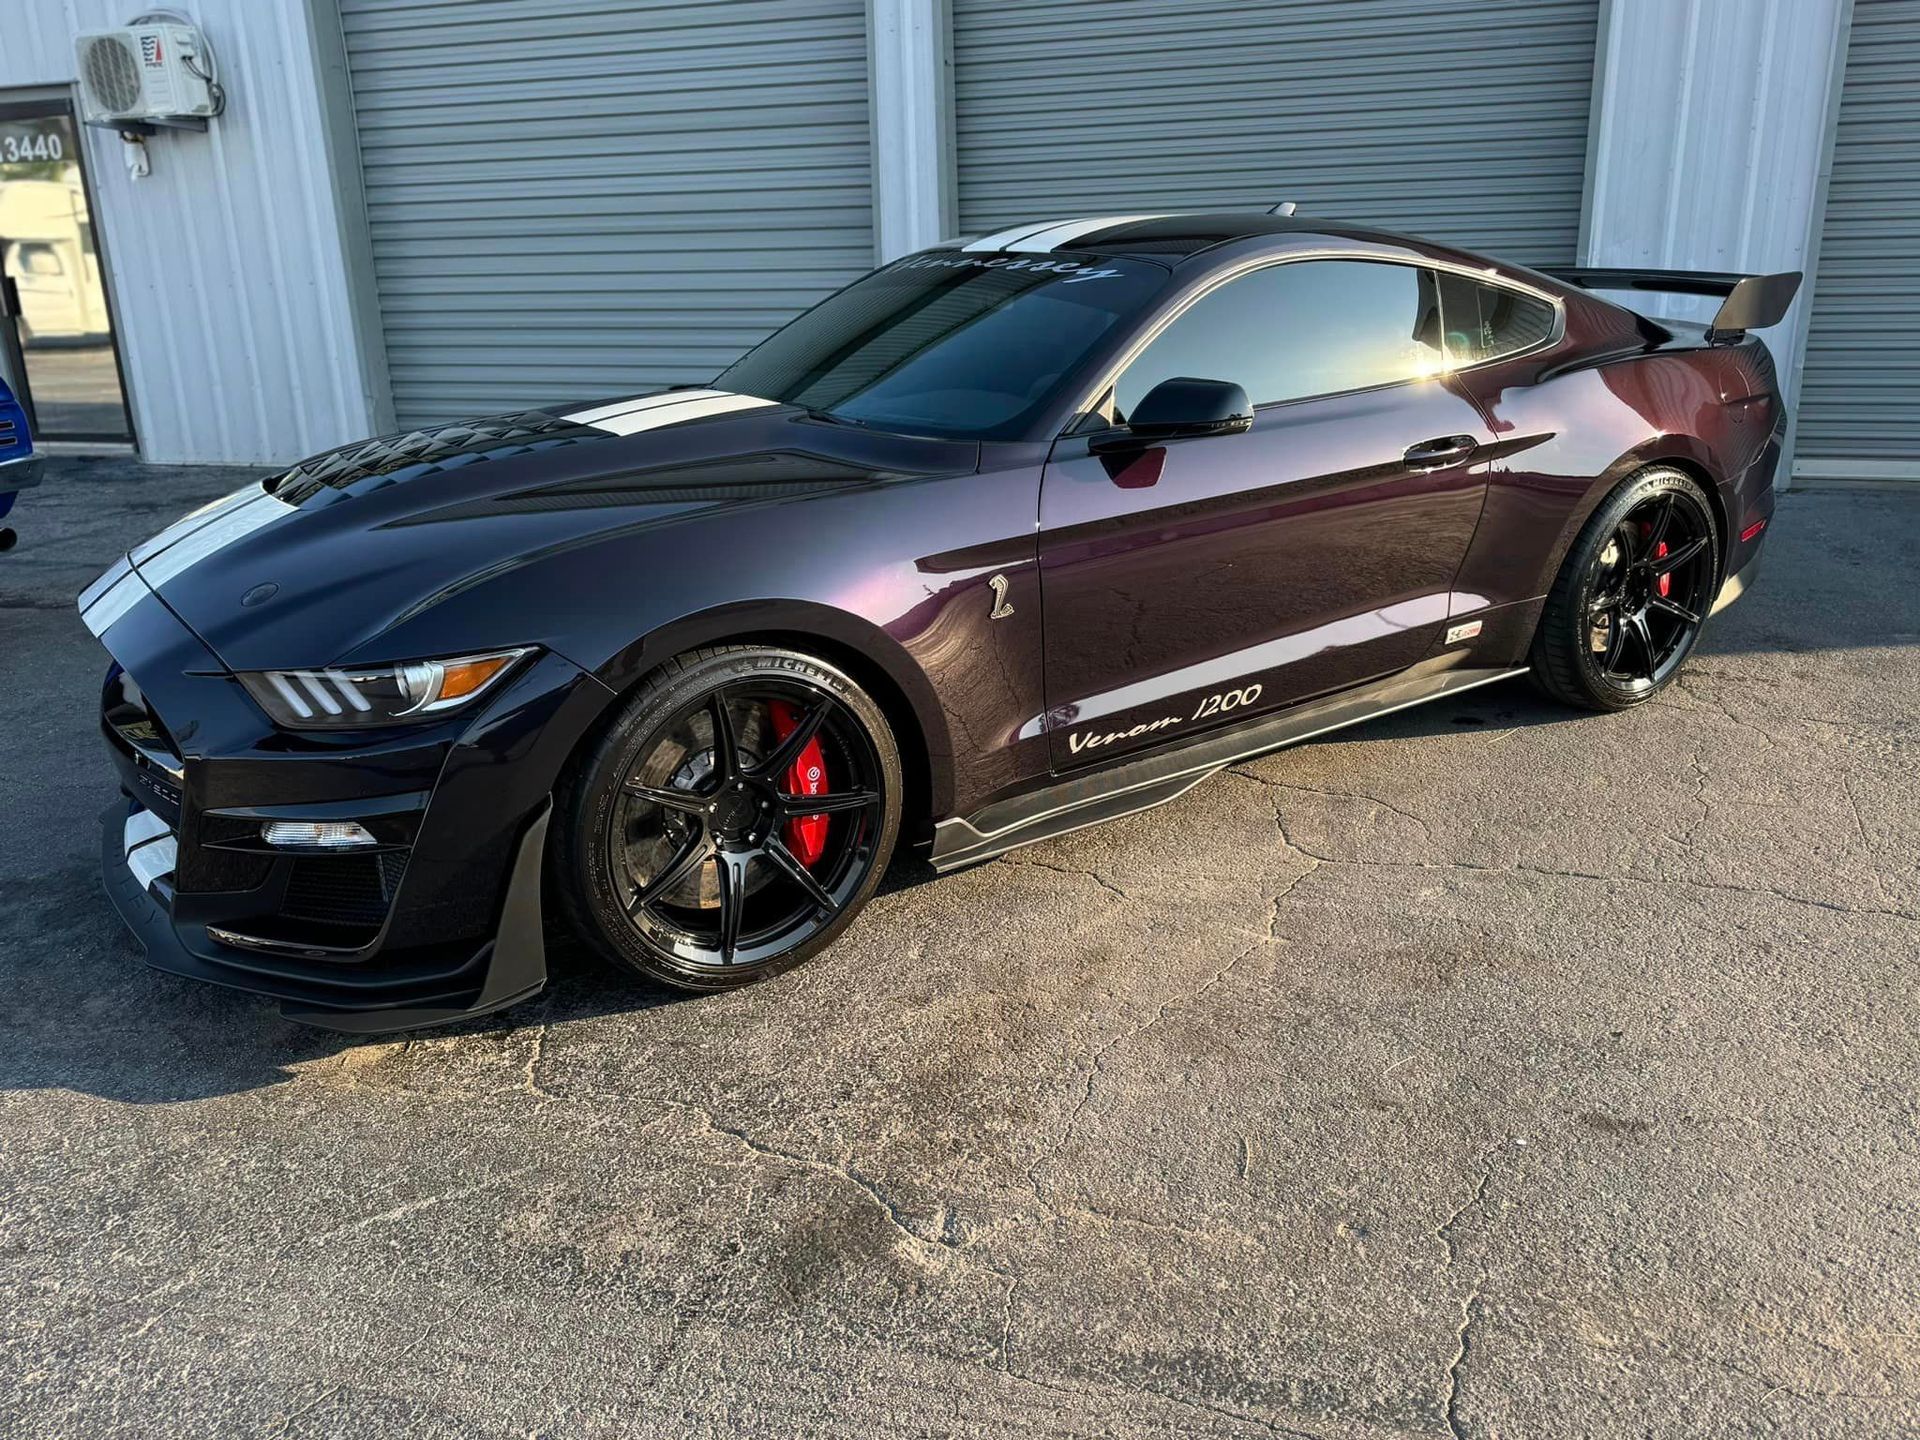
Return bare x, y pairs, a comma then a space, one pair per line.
48, 252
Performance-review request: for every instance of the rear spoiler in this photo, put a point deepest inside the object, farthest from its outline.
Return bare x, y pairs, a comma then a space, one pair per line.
1753, 302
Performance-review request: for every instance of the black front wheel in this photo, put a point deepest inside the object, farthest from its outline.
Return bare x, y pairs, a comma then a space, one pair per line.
732, 819
1632, 594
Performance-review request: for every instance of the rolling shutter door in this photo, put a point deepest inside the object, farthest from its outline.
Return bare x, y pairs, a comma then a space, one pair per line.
577, 198
1860, 388
1463, 123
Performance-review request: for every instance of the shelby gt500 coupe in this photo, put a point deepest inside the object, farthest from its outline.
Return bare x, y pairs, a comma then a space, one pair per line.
1006, 538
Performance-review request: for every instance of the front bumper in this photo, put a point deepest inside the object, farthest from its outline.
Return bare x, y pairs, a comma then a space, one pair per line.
441, 921
20, 473
358, 999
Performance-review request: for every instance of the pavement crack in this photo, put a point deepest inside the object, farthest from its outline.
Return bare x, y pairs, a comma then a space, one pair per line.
535, 1055
1470, 1305
935, 1248
424, 1202
1357, 795
1031, 863
1469, 1316
1097, 1061
1553, 872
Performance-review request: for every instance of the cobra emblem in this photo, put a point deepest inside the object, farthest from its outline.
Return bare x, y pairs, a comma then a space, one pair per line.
1001, 609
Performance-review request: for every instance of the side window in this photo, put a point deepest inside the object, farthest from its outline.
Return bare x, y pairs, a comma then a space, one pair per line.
1289, 331
1485, 322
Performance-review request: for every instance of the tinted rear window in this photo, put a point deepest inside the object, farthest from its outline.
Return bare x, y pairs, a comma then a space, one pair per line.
1485, 322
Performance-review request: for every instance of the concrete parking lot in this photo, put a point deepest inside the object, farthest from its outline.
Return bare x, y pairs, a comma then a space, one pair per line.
1488, 1070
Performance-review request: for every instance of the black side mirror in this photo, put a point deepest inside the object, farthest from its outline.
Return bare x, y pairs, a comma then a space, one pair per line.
1184, 406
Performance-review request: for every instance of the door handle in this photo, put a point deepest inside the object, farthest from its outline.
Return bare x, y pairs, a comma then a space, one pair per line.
1447, 450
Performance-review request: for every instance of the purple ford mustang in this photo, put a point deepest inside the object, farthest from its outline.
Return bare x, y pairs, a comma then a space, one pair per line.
1007, 538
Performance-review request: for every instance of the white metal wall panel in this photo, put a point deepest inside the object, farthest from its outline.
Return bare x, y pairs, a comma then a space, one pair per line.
225, 264
1860, 398
571, 198
1710, 136
1465, 123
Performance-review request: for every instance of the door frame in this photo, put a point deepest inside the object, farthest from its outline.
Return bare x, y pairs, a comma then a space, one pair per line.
28, 102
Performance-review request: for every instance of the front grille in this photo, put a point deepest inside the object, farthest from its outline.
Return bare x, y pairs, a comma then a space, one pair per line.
206, 870
349, 890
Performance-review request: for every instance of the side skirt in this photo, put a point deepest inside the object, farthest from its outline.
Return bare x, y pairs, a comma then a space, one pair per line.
1089, 799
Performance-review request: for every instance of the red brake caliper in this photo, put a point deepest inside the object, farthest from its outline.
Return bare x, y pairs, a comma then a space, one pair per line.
806, 836
1666, 581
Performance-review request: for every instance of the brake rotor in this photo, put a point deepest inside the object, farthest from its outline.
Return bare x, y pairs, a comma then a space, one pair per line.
677, 764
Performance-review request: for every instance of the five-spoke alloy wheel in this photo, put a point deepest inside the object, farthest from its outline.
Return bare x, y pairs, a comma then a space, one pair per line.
1632, 594
733, 819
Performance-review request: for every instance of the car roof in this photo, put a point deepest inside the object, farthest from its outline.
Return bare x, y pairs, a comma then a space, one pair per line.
1172, 235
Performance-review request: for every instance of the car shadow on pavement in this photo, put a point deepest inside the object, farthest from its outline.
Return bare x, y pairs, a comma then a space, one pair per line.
86, 1014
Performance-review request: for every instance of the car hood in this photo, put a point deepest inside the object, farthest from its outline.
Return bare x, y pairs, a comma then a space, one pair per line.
325, 562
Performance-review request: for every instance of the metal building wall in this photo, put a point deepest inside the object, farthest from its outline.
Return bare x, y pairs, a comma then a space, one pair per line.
572, 198
1860, 401
1465, 123
227, 266
1710, 134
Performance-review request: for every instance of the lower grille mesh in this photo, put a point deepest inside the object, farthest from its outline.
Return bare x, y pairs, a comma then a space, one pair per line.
344, 889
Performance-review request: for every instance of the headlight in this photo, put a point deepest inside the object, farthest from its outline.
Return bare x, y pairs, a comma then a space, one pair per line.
388, 695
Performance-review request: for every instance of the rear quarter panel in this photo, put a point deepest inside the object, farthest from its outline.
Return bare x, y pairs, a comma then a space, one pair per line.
1576, 425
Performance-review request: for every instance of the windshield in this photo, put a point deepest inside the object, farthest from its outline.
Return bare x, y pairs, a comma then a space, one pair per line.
951, 344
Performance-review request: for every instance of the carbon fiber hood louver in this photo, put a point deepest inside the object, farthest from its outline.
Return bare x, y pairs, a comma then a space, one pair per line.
413, 453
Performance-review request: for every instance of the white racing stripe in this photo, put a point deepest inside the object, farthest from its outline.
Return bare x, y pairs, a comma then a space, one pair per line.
109, 578
629, 417
180, 546
192, 521
110, 597
1004, 239
222, 531
150, 861
1050, 235
637, 402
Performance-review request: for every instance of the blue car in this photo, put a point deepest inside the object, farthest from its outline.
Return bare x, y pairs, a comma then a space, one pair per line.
19, 466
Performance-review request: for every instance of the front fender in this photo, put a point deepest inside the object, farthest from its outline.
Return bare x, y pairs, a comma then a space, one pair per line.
795, 622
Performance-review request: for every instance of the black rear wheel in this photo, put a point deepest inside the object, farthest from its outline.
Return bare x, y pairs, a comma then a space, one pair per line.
733, 819
1632, 594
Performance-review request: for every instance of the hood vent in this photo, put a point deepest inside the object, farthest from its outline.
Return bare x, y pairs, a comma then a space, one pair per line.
393, 458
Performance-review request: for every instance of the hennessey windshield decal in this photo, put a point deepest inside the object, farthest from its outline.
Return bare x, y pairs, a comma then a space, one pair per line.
1073, 269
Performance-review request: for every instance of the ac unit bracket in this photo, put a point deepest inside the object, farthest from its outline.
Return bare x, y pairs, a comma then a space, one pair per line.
151, 126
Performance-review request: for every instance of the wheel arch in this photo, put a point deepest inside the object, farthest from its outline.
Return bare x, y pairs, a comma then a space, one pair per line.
1684, 453
877, 662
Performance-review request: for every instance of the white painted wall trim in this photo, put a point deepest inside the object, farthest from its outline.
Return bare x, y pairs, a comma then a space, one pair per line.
340, 138
1796, 468
909, 48
1864, 472
1711, 139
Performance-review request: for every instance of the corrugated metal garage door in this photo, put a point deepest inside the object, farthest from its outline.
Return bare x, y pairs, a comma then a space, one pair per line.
571, 198
1860, 391
1458, 122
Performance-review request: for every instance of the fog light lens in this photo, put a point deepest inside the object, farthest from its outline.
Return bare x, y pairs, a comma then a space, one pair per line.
316, 834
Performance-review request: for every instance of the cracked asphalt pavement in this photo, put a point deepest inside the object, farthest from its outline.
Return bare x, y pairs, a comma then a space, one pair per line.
1488, 1070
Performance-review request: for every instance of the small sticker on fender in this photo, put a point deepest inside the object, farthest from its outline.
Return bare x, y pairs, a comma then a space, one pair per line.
1457, 633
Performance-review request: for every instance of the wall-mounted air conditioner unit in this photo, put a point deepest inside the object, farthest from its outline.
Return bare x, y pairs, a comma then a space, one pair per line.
150, 73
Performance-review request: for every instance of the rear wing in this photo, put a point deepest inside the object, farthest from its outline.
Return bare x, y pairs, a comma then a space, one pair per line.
1753, 302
